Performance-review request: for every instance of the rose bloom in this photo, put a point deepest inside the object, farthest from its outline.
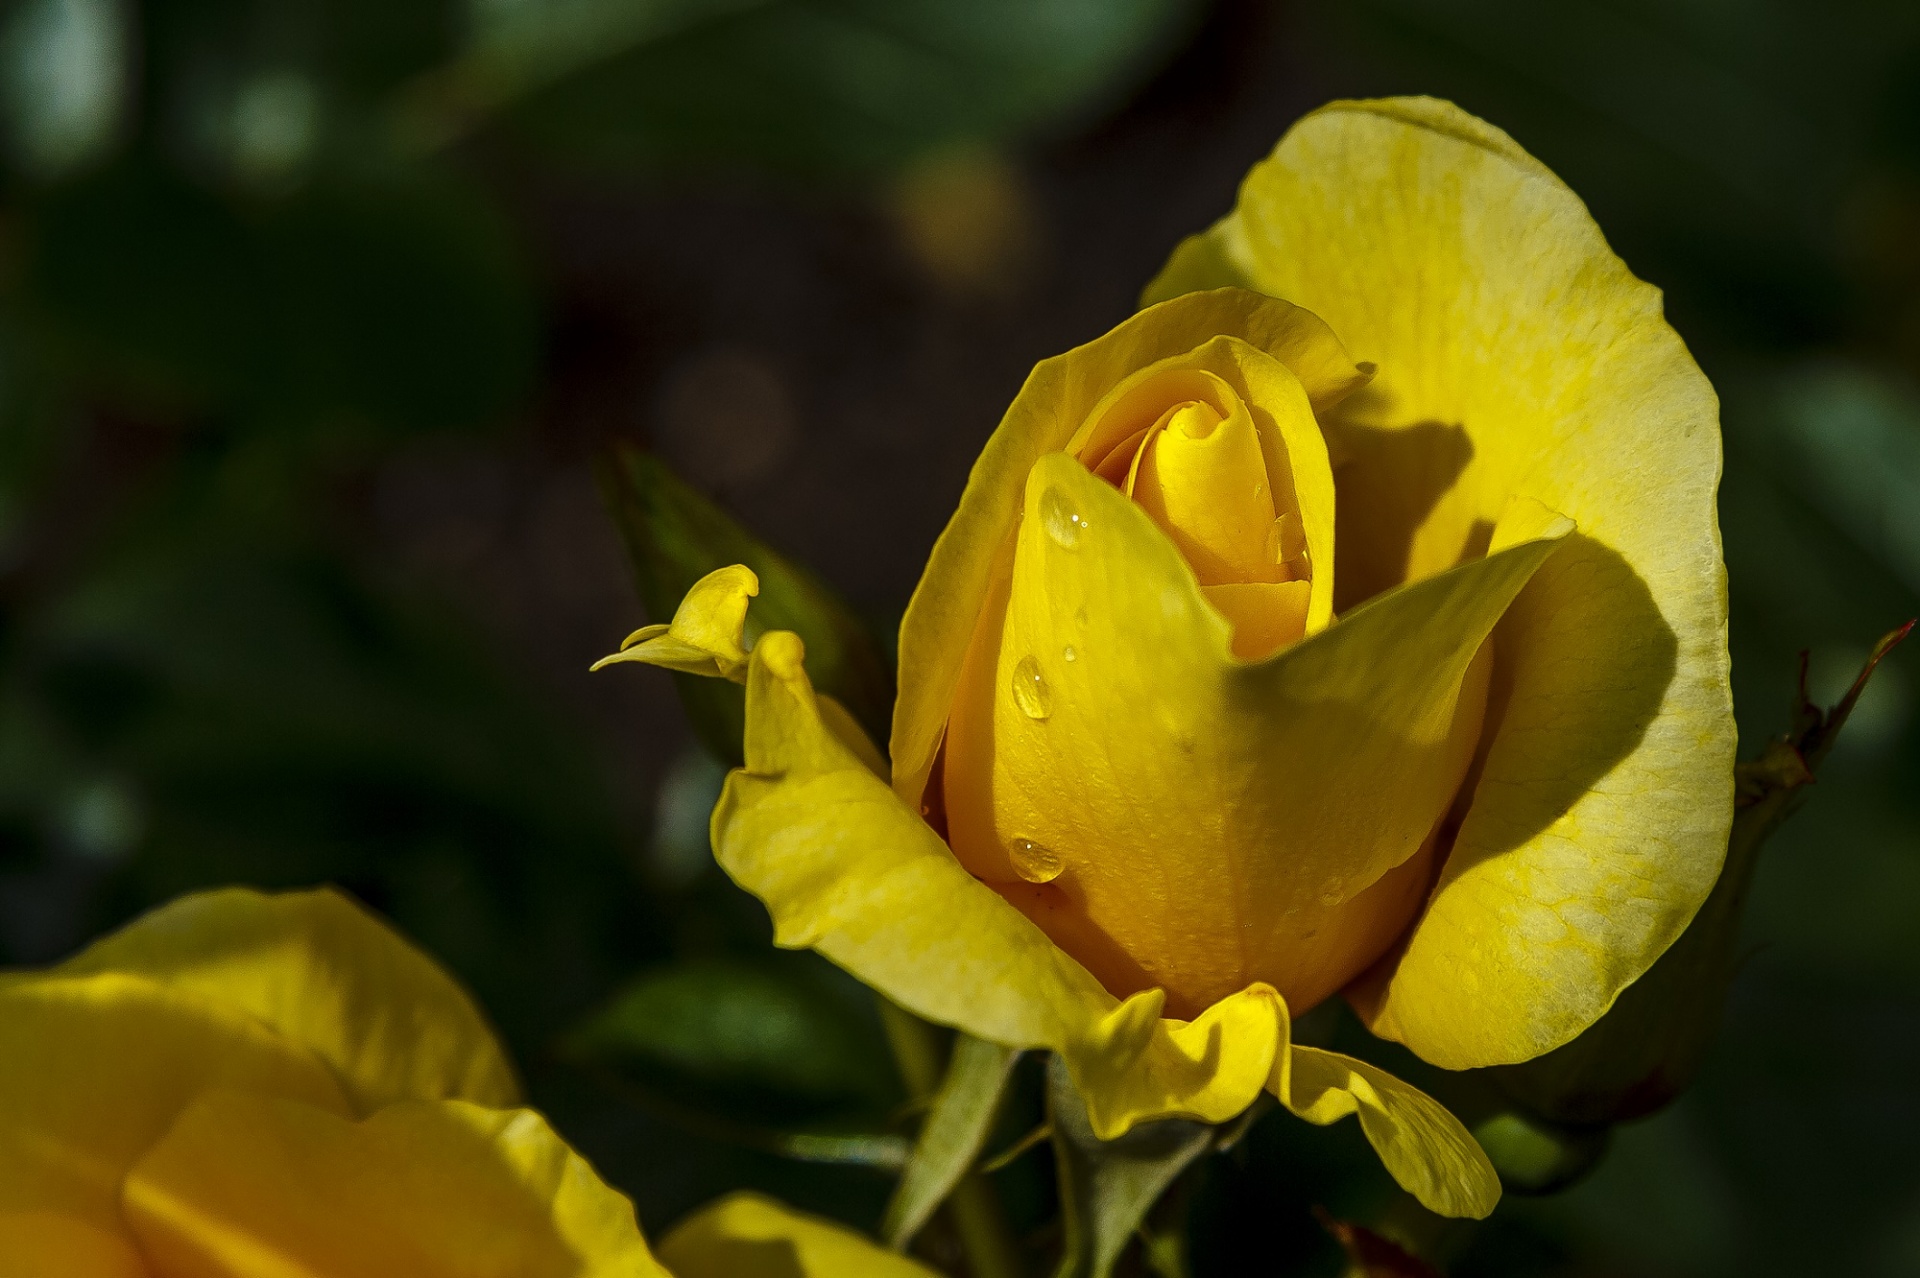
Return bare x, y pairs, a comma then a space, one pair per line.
249, 1086
1351, 619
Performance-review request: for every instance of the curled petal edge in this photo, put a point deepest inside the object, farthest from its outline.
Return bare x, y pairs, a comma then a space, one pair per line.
706, 633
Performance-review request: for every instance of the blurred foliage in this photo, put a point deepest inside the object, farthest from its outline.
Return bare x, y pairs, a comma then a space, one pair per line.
744, 1041
249, 249
809, 86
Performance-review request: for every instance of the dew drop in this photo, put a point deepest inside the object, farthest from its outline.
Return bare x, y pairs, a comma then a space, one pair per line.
1030, 689
1285, 539
1069, 655
1034, 862
1061, 518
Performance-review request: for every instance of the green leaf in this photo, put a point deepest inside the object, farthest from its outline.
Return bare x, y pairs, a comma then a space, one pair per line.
957, 1125
675, 536
806, 86
738, 1041
1107, 1187
1649, 1045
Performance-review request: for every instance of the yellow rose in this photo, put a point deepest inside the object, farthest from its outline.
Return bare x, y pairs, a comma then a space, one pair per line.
249, 1086
1372, 639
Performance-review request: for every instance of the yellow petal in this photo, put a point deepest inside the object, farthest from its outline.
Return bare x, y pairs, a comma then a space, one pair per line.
704, 637
95, 1068
1203, 480
1423, 1146
324, 973
747, 1236
1266, 615
38, 1244
1137, 1066
253, 1187
1057, 399
845, 868
1517, 356
1270, 438
1210, 823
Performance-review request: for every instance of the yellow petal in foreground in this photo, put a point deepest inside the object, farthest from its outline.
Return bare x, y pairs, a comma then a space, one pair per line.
242, 1085
44, 1244
747, 1236
846, 868
253, 1187
323, 974
94, 1069
1516, 355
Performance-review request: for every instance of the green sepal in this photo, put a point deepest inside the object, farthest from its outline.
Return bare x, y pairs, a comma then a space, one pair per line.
675, 536
1107, 1187
956, 1128
1647, 1048
1536, 1156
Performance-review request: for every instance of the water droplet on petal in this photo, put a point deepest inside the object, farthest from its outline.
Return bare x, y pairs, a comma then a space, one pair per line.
1034, 862
1285, 539
1069, 655
1061, 518
1030, 690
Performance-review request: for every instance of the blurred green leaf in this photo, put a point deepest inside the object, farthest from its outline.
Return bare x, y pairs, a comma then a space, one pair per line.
956, 1126
675, 536
807, 86
63, 80
738, 1040
215, 698
1850, 439
399, 303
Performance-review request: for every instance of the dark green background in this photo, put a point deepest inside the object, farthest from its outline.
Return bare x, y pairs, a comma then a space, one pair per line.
315, 313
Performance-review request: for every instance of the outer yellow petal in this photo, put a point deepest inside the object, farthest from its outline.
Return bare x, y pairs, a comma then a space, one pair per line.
847, 869
704, 637
251, 1187
324, 973
38, 1244
1425, 1148
1057, 398
747, 1236
1186, 796
1517, 356
94, 1069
